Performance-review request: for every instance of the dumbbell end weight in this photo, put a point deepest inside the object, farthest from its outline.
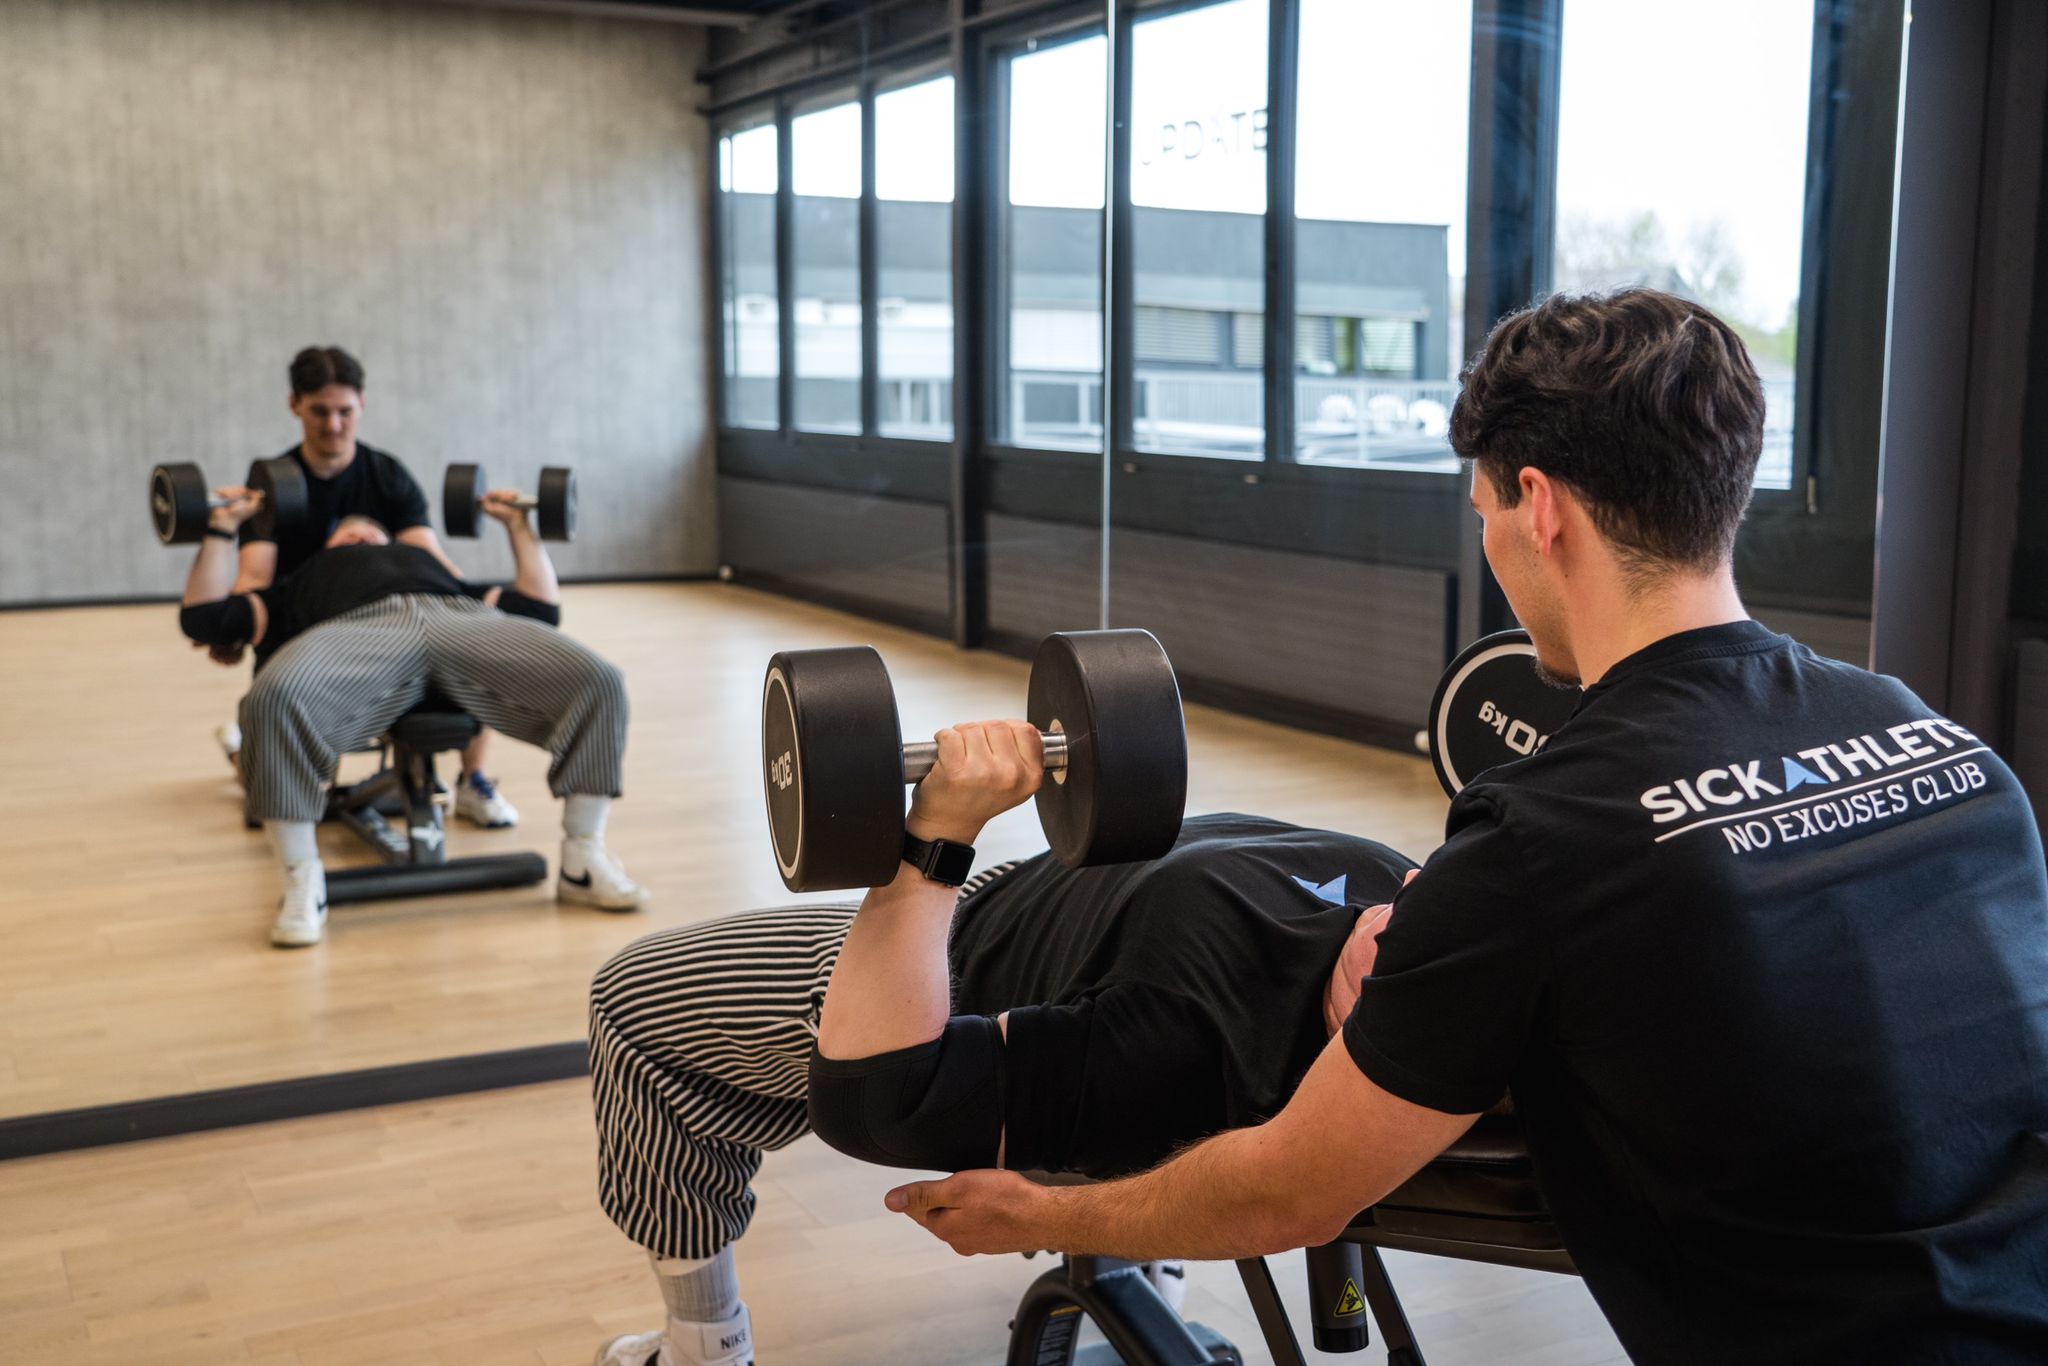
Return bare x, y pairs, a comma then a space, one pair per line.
921, 757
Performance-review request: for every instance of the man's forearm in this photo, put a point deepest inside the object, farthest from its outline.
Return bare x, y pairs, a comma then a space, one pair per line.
1220, 1200
213, 572
891, 988
533, 573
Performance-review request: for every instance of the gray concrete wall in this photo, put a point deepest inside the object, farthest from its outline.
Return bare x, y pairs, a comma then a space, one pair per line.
502, 213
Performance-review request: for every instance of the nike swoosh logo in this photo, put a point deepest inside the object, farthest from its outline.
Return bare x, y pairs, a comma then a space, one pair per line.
583, 881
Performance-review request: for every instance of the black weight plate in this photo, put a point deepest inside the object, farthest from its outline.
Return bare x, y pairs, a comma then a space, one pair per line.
1125, 786
177, 503
832, 768
557, 503
1491, 707
285, 508
460, 489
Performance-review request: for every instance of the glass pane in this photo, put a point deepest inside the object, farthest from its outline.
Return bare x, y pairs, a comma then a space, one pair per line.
1380, 238
746, 203
1051, 243
914, 255
1664, 180
1198, 190
825, 175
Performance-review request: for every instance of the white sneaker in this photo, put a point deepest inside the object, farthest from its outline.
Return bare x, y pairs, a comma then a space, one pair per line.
730, 1343
589, 876
478, 801
302, 918
229, 737
1170, 1279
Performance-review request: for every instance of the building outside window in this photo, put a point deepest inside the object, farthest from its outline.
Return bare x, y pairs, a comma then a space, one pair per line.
914, 259
747, 180
825, 175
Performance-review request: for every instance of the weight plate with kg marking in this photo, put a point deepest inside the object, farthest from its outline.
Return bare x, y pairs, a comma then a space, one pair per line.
1491, 708
1124, 789
832, 768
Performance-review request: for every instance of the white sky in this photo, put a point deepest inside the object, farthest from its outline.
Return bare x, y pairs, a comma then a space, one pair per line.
1695, 111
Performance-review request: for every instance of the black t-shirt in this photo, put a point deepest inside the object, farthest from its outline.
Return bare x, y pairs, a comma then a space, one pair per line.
374, 485
1154, 1003
1760, 944
334, 582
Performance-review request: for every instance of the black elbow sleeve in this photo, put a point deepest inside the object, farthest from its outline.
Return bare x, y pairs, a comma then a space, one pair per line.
937, 1106
516, 603
227, 622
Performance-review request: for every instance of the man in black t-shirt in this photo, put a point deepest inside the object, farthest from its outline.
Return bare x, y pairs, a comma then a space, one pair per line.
1758, 941
359, 634
345, 478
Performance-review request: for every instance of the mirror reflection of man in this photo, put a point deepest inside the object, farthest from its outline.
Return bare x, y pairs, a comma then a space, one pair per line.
347, 477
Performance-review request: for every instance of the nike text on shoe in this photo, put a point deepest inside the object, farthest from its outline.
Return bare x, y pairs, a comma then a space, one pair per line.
478, 801
590, 876
729, 1343
302, 915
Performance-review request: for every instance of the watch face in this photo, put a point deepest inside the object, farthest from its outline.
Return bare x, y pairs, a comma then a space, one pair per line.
951, 863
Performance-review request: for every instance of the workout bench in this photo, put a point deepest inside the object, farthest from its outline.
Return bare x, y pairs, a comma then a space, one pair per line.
415, 858
1477, 1201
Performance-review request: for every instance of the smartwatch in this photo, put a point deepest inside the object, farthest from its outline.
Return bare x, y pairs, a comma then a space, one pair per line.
941, 861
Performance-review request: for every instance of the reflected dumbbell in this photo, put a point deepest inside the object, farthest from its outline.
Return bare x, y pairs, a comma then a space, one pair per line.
180, 500
464, 486
1107, 708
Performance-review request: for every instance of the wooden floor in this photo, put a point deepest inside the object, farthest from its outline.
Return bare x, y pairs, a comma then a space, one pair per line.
135, 906
466, 1231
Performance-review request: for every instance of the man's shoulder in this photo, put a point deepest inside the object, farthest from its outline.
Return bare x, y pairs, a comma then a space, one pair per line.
380, 460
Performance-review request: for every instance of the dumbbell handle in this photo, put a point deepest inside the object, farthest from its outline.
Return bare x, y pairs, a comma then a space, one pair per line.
923, 756
527, 501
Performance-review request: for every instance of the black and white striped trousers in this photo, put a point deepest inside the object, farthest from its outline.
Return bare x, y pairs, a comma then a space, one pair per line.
700, 1045
340, 685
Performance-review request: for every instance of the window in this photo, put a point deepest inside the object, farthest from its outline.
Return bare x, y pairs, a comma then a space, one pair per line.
1669, 176
1198, 192
747, 183
825, 165
1379, 241
1050, 237
914, 259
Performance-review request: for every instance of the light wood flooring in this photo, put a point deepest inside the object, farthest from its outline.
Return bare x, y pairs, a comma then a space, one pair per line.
134, 906
465, 1232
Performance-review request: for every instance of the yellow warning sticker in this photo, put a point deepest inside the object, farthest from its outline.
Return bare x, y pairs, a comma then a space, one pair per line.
1350, 1302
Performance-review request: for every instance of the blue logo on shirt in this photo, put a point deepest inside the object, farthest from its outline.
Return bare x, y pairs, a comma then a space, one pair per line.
1798, 775
1331, 891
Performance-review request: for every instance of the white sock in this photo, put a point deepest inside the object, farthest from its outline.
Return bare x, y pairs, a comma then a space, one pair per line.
583, 816
294, 842
703, 1290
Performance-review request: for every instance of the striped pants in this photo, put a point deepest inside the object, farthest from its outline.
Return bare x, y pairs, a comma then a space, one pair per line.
340, 685
700, 1045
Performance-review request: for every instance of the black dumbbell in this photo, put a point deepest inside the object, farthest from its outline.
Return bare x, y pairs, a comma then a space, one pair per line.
1493, 707
180, 500
1106, 705
463, 488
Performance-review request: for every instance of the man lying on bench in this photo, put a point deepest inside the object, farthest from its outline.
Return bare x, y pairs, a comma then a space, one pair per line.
357, 635
1145, 1006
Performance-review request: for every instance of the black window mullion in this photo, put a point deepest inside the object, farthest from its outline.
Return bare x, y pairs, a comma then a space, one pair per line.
976, 316
785, 272
1283, 67
727, 302
870, 257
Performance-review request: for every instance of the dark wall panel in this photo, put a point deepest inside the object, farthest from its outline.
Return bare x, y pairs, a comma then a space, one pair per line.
848, 548
1366, 640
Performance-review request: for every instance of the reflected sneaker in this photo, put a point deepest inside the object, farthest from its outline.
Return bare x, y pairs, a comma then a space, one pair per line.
730, 1343
478, 801
589, 876
1170, 1279
302, 917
